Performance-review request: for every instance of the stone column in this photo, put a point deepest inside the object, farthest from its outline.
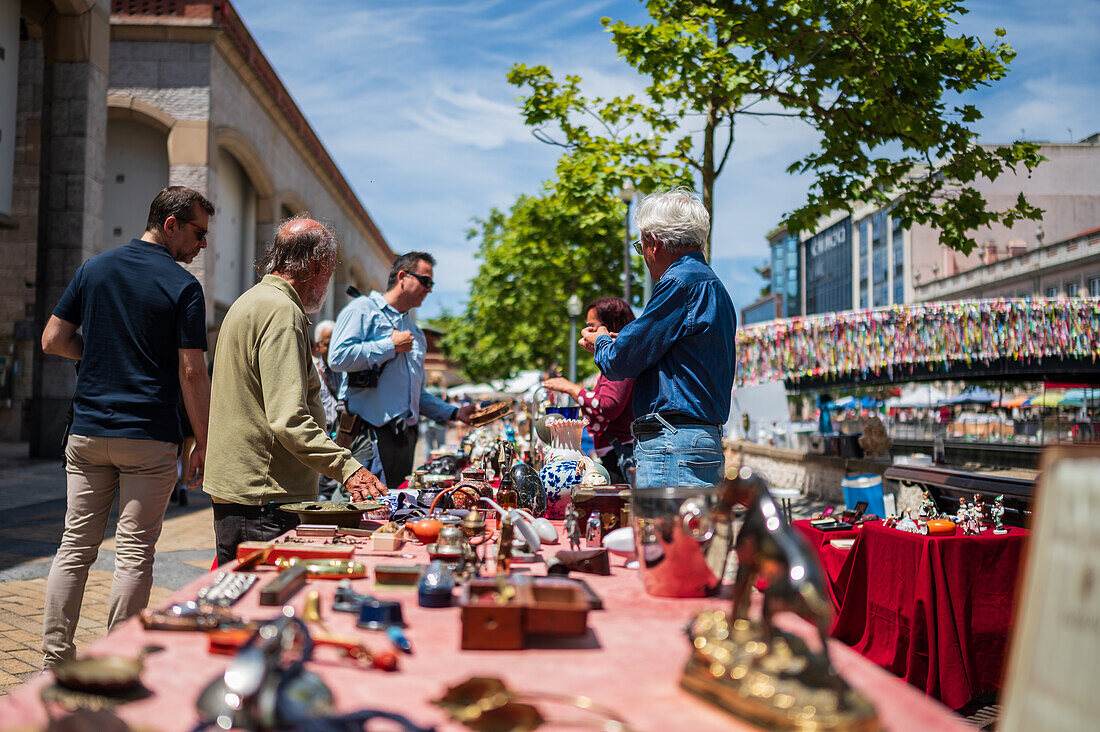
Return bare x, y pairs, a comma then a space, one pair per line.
76, 41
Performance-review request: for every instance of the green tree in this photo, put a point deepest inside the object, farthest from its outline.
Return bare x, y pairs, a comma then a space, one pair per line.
879, 80
533, 257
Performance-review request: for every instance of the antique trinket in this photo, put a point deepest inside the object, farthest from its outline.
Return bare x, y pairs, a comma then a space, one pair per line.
748, 667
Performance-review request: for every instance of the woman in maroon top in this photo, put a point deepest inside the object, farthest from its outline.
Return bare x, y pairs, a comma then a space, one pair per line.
607, 406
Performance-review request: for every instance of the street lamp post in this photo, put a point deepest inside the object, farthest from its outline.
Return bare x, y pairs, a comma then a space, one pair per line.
627, 196
573, 306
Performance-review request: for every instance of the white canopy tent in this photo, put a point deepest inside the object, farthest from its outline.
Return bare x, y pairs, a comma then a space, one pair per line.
917, 395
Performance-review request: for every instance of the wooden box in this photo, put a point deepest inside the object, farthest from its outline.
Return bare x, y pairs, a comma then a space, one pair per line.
299, 551
555, 606
398, 576
613, 503
488, 624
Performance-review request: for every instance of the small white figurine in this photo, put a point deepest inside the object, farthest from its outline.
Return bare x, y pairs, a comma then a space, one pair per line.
907, 524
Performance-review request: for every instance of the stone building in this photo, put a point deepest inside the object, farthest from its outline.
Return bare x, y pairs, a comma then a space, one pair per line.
102, 104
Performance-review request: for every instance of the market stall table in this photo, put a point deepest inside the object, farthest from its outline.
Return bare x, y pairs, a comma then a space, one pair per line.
630, 660
935, 611
832, 558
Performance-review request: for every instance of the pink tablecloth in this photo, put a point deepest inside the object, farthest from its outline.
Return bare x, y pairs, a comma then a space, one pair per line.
630, 661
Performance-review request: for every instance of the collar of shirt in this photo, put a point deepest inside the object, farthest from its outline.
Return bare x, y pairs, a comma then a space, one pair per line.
684, 261
285, 287
152, 245
392, 314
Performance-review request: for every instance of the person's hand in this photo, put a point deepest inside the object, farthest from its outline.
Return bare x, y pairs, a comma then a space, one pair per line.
589, 336
363, 486
198, 464
464, 412
565, 386
402, 340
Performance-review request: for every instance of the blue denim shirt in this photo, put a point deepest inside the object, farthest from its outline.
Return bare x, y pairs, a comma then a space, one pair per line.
360, 340
680, 351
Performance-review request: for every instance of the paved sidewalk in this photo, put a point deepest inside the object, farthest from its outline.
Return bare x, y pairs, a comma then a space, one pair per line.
32, 499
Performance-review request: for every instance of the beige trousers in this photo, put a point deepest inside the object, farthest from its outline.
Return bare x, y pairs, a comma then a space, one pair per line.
142, 473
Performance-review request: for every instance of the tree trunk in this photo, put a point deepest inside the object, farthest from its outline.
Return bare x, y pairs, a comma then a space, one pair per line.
707, 171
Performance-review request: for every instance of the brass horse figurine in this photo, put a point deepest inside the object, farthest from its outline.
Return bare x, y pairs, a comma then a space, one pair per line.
769, 549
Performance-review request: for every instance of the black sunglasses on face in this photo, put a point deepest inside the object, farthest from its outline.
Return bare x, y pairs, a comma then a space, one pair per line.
425, 281
202, 231
638, 246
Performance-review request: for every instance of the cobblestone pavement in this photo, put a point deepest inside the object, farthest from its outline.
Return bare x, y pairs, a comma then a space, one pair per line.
32, 498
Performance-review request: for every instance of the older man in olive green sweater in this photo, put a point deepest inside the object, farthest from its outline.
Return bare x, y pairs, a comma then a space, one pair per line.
267, 439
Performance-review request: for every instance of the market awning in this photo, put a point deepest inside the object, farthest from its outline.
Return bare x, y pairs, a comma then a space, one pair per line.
973, 395
1046, 399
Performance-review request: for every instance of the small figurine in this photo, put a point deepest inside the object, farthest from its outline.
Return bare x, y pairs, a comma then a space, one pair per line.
997, 512
572, 527
593, 531
980, 511
968, 519
927, 506
908, 525
960, 515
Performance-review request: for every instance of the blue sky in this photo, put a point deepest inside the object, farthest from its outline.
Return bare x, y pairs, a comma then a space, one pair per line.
411, 100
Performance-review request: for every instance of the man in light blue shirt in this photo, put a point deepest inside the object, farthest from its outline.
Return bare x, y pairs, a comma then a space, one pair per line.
377, 342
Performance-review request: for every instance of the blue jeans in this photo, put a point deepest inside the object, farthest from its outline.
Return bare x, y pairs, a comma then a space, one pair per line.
690, 455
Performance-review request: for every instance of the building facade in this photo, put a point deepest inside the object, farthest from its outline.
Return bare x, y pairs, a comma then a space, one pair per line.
114, 101
869, 258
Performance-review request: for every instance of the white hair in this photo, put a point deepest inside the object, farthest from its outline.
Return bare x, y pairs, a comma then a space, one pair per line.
678, 219
321, 327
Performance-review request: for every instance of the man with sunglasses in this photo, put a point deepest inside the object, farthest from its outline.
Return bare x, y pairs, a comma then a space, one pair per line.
379, 344
143, 321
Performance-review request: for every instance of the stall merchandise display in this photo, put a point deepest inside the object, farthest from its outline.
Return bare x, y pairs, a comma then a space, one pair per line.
281, 659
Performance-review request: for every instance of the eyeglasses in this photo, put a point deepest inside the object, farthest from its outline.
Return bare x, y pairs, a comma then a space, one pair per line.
202, 231
637, 243
425, 281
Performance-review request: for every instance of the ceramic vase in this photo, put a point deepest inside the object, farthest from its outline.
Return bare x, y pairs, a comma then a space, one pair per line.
559, 478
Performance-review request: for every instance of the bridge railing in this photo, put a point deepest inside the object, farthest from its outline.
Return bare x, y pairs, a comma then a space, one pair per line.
863, 341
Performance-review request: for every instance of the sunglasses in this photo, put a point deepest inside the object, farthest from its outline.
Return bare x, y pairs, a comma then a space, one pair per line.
637, 243
425, 281
202, 231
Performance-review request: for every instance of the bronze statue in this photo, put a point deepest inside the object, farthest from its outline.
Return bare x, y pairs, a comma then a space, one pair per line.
767, 547
749, 668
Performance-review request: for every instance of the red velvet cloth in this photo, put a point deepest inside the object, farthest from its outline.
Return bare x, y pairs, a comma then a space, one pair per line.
832, 559
631, 660
935, 611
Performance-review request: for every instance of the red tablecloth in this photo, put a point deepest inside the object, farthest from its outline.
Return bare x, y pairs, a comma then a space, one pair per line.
630, 660
935, 611
832, 559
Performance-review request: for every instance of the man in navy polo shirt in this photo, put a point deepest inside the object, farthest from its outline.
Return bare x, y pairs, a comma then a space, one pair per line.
143, 319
